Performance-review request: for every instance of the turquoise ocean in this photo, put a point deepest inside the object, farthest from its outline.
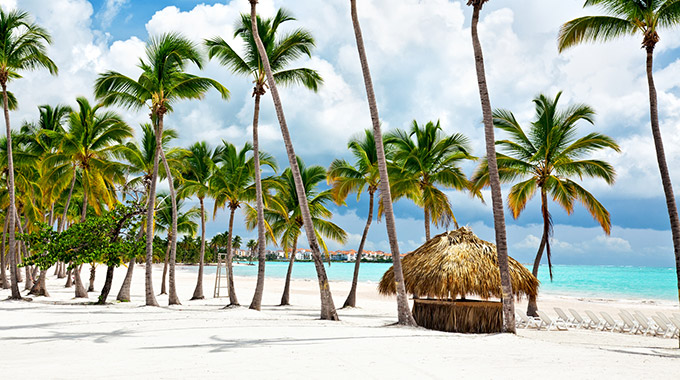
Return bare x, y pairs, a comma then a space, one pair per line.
591, 281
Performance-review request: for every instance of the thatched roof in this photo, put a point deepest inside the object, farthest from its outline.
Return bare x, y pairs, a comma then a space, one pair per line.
457, 263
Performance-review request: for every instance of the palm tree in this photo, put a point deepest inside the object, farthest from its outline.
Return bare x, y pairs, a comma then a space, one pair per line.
363, 176
494, 181
327, 306
22, 47
186, 225
426, 163
281, 51
232, 184
162, 83
403, 312
284, 215
545, 159
626, 18
197, 169
93, 139
252, 246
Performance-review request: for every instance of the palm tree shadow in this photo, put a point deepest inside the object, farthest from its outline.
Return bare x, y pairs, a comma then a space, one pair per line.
99, 337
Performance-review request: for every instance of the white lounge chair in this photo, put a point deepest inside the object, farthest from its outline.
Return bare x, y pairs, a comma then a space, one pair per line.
571, 322
595, 321
579, 321
664, 318
527, 321
643, 321
611, 324
549, 323
676, 327
629, 324
661, 327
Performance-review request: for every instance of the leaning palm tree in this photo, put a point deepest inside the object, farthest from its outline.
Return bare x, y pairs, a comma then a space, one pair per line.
423, 165
327, 306
233, 184
197, 169
494, 181
22, 47
545, 159
363, 176
627, 18
403, 312
162, 83
281, 51
284, 216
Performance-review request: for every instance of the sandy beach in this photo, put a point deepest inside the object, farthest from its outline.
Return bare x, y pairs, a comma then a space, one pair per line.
59, 337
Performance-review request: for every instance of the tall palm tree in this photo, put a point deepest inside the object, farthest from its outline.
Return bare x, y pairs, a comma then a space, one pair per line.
546, 158
197, 169
93, 139
403, 311
627, 18
162, 83
281, 51
232, 184
23, 46
327, 306
424, 164
363, 176
140, 159
494, 181
284, 215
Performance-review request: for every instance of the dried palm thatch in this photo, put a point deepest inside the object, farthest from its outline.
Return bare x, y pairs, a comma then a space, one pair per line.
458, 263
459, 316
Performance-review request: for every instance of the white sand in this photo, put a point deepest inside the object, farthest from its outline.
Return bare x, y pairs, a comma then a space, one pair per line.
58, 337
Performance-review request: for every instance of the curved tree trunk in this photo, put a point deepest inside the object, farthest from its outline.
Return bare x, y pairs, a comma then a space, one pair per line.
663, 166
427, 223
14, 279
532, 307
124, 292
39, 288
64, 218
107, 286
4, 284
351, 300
198, 292
496, 196
256, 303
404, 313
165, 264
172, 297
151, 206
22, 251
69, 277
285, 298
233, 300
328, 311
80, 289
93, 271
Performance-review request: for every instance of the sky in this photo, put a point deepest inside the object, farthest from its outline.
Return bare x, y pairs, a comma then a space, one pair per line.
422, 63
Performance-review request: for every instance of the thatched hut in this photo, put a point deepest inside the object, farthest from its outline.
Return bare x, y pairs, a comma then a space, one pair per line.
448, 268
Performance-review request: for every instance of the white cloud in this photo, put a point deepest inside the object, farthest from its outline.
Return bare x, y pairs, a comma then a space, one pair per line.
110, 11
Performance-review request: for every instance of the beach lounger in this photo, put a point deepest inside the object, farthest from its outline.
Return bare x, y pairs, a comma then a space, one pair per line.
664, 318
596, 322
629, 324
611, 324
580, 322
677, 316
571, 322
645, 327
661, 328
676, 327
527, 321
549, 323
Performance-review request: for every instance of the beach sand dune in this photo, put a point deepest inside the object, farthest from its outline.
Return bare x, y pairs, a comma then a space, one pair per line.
59, 337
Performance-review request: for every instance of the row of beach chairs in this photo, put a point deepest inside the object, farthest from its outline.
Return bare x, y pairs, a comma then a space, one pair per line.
633, 323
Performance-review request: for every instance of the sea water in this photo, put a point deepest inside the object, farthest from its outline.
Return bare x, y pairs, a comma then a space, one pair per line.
590, 281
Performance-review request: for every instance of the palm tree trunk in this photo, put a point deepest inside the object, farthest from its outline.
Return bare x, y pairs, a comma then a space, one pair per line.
16, 295
68, 202
151, 206
233, 300
427, 223
165, 264
107, 286
172, 297
4, 284
351, 300
663, 166
83, 211
124, 292
93, 271
404, 313
285, 298
69, 278
198, 292
328, 311
496, 196
22, 251
532, 307
256, 303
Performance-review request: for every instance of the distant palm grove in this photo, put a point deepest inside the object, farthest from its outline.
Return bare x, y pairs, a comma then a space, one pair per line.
80, 187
